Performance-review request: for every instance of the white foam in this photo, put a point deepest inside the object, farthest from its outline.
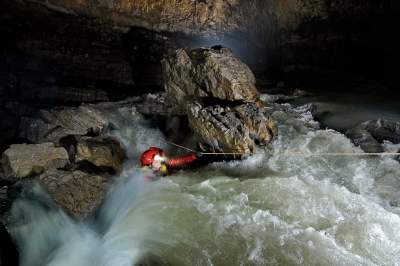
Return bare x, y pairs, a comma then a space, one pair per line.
269, 209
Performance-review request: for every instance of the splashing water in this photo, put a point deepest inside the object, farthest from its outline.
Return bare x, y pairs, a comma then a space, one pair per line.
269, 209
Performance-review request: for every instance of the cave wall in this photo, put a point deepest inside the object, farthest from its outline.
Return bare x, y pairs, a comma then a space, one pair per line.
81, 50
351, 42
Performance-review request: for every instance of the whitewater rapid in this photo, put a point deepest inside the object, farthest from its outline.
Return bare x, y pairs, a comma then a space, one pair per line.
269, 209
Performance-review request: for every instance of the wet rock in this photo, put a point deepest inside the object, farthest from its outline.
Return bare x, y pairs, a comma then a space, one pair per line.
217, 93
372, 134
22, 160
103, 152
365, 140
52, 125
383, 130
204, 72
79, 193
231, 129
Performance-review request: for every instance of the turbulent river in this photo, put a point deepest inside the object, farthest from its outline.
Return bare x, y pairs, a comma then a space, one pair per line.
269, 209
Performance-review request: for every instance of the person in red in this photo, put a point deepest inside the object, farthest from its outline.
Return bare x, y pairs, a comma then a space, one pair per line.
156, 160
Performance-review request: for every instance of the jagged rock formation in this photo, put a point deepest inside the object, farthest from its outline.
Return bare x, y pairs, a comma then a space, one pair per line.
236, 129
217, 93
22, 160
57, 123
214, 73
102, 152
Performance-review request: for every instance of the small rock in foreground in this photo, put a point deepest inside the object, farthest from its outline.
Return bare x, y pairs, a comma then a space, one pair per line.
79, 193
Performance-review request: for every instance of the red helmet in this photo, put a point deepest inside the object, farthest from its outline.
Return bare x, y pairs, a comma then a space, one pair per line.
147, 157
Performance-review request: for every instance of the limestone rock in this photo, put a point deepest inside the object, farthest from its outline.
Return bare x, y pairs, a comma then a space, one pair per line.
204, 72
231, 129
102, 152
77, 192
217, 92
22, 160
52, 125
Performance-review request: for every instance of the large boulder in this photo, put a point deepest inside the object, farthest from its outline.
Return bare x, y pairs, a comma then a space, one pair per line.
208, 72
79, 193
22, 160
217, 93
236, 129
103, 152
52, 125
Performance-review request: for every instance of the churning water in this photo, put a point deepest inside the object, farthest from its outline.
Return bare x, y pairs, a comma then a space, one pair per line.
269, 209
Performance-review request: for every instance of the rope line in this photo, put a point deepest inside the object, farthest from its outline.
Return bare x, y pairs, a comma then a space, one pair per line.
179, 146
343, 154
294, 153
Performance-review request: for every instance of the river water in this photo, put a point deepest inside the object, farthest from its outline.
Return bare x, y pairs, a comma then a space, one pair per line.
344, 110
269, 209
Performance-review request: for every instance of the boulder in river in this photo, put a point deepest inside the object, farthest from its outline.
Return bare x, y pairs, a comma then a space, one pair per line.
382, 129
208, 72
79, 193
52, 125
371, 134
364, 139
103, 152
22, 160
231, 129
217, 93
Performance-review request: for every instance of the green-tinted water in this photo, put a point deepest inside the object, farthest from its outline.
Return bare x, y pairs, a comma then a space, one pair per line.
266, 210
